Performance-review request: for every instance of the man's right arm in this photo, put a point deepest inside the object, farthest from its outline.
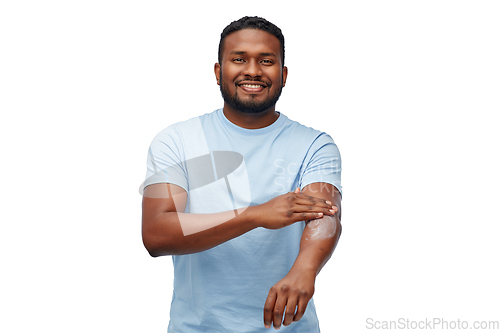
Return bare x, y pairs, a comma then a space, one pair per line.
162, 211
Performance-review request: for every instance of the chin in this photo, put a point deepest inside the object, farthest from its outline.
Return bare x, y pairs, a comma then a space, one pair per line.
249, 106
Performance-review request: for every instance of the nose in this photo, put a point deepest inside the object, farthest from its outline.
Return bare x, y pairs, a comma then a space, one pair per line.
252, 69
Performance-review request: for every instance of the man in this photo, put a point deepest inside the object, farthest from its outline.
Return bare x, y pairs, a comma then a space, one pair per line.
245, 200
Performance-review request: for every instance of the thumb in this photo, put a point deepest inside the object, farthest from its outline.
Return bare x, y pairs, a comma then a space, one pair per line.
297, 190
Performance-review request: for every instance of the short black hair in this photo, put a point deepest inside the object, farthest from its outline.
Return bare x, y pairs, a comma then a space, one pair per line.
253, 22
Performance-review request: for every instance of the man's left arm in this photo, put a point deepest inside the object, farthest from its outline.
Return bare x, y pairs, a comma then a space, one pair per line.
291, 294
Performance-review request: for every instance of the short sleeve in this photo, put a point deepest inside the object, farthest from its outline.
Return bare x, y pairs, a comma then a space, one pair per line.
322, 163
165, 162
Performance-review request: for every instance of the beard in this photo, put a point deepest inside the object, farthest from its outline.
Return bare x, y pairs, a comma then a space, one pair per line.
250, 106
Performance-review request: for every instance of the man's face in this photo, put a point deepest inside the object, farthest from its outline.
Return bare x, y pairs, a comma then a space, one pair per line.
251, 74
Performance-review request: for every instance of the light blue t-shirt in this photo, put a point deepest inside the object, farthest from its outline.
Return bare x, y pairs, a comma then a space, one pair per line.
224, 167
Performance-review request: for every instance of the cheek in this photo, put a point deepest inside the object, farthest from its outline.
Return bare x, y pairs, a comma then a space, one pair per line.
276, 77
230, 71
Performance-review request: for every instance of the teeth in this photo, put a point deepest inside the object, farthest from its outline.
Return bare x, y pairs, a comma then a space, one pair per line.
252, 85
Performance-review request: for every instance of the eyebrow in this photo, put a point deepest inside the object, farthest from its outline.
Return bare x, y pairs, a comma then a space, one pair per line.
265, 54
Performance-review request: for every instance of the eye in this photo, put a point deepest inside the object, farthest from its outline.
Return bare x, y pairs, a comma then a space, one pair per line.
267, 62
238, 60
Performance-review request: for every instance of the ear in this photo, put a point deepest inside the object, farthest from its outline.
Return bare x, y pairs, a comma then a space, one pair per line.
285, 74
217, 72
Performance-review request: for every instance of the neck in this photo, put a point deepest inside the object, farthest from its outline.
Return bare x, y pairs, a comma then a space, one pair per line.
251, 121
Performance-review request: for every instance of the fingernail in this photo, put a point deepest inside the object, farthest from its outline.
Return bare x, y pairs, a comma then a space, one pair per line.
328, 202
332, 211
267, 326
320, 214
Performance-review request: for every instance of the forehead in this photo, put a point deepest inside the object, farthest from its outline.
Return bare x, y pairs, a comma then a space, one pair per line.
251, 41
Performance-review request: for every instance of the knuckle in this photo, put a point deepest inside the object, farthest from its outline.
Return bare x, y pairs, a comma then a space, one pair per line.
277, 313
267, 309
303, 293
285, 288
289, 213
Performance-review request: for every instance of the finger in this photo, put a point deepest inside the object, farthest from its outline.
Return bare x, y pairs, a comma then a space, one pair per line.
306, 200
301, 308
314, 209
311, 197
269, 308
325, 209
297, 190
291, 306
306, 216
279, 308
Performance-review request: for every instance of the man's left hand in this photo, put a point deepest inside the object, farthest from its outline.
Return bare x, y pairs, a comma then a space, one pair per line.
293, 292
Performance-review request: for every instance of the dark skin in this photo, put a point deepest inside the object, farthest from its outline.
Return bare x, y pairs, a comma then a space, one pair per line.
251, 56
296, 289
162, 235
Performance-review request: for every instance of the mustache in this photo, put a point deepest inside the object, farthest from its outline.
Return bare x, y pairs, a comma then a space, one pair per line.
254, 80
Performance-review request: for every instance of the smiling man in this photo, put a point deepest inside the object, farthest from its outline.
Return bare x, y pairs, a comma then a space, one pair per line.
245, 200
250, 92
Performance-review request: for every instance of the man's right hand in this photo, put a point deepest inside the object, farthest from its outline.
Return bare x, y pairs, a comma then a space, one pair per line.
163, 235
289, 208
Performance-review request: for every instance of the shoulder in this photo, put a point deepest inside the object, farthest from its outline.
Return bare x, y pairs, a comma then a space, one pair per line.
185, 139
185, 127
306, 133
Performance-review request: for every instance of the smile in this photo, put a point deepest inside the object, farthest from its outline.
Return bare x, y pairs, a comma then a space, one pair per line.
252, 87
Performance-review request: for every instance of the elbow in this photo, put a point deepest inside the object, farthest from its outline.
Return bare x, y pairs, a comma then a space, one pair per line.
160, 238
150, 247
156, 247
156, 238
153, 252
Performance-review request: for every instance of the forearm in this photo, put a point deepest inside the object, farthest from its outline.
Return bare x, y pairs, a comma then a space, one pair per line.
174, 233
319, 239
297, 287
165, 231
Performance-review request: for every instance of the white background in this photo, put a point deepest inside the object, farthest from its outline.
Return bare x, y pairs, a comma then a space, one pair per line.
407, 89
